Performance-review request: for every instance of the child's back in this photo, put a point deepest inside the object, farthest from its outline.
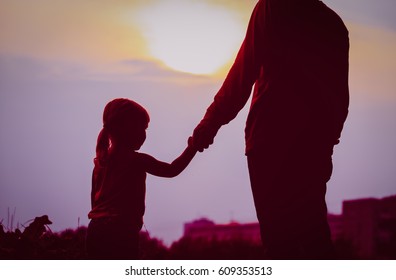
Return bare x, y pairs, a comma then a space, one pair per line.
118, 188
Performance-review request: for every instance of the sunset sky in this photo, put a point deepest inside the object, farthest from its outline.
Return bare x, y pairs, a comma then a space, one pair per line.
62, 61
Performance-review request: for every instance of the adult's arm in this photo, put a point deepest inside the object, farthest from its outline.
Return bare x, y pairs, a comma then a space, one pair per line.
237, 86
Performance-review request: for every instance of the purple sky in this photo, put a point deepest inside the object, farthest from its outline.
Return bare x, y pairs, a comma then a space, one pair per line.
51, 107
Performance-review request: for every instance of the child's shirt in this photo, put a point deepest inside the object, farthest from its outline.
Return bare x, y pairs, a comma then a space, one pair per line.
119, 188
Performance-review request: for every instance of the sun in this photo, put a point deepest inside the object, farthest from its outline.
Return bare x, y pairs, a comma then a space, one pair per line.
191, 36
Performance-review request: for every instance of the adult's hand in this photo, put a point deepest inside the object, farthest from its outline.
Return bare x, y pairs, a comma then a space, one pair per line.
204, 135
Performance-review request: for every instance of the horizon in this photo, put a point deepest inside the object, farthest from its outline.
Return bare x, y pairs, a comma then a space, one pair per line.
11, 228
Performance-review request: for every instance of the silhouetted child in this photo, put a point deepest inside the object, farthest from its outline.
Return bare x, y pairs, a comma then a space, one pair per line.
119, 181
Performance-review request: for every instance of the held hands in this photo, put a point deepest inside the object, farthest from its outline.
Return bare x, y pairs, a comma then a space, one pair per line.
203, 136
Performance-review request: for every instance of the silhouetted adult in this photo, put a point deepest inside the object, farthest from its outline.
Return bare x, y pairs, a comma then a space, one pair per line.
296, 54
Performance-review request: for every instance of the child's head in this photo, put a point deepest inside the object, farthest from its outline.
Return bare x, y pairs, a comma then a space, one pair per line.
124, 124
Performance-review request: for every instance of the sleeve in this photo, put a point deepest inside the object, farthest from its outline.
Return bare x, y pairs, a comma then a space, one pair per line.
93, 188
237, 87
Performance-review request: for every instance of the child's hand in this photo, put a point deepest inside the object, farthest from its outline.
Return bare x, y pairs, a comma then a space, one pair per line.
191, 143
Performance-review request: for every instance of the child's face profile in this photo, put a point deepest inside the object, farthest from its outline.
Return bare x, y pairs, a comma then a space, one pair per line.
136, 134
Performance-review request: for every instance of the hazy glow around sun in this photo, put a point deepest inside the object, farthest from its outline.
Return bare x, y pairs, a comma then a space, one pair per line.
191, 36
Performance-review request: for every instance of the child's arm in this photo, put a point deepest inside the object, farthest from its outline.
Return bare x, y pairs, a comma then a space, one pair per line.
164, 169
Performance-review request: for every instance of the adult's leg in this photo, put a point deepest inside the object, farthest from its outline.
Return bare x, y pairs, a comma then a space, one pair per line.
290, 203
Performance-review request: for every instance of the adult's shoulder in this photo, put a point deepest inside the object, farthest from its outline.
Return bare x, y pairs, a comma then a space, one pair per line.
333, 17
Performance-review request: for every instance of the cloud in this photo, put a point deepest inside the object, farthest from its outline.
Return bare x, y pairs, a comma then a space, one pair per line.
154, 70
23, 68
77, 31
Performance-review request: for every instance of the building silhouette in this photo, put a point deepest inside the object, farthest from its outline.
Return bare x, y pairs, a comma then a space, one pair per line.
208, 230
367, 225
370, 226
